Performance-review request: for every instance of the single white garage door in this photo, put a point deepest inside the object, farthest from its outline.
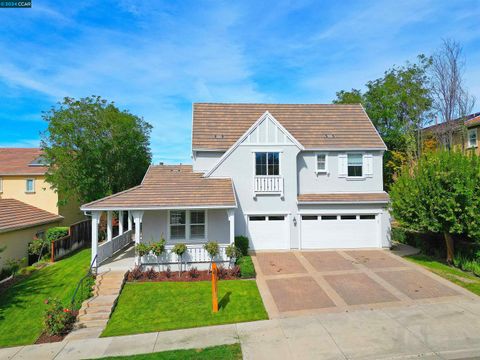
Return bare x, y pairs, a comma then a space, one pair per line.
268, 232
339, 231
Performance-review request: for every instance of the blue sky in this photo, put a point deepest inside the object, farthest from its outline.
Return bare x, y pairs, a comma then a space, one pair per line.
155, 58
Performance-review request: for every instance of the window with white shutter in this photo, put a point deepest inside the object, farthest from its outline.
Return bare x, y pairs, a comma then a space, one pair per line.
368, 165
342, 165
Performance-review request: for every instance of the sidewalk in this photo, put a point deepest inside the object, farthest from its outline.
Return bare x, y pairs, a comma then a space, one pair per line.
448, 330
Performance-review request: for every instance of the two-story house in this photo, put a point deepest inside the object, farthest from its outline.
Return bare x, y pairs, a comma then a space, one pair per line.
28, 205
286, 176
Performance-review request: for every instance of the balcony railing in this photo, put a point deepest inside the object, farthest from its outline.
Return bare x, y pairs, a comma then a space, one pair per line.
268, 185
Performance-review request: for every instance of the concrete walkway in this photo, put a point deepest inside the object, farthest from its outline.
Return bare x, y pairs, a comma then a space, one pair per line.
432, 331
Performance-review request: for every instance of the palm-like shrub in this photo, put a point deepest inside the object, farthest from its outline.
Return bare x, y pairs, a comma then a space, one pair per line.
232, 252
212, 249
179, 249
158, 248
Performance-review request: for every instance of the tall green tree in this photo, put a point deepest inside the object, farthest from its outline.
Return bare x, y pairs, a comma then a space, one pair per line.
440, 194
398, 104
94, 149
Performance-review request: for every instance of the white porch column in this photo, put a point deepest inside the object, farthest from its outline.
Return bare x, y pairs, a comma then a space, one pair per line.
95, 221
137, 218
130, 225
120, 222
231, 219
109, 225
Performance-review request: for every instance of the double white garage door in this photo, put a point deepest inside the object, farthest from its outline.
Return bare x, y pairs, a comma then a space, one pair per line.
272, 232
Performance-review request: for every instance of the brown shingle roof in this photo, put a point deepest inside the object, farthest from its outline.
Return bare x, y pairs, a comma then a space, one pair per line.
170, 186
15, 161
473, 122
343, 197
219, 126
15, 214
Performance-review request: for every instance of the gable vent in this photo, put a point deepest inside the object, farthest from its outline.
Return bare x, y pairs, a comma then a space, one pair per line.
218, 136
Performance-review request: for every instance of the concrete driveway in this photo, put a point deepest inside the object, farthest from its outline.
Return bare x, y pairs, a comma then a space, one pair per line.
307, 282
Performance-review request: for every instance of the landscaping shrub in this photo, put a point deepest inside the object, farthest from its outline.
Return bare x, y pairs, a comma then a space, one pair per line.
142, 249
151, 273
168, 272
222, 272
193, 273
466, 264
235, 272
39, 247
57, 320
399, 235
55, 233
135, 274
246, 268
241, 242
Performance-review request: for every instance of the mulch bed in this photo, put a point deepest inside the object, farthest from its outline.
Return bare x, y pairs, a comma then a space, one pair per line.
45, 338
185, 276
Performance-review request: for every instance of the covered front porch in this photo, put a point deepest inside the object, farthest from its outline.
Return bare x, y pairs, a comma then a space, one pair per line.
172, 203
190, 226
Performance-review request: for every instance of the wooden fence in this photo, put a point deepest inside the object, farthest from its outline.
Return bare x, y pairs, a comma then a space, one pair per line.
79, 236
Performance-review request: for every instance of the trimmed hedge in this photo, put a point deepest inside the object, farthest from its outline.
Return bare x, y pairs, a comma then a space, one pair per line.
241, 242
55, 233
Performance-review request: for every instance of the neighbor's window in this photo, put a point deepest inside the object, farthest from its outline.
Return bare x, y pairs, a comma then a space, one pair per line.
30, 185
355, 165
197, 224
321, 162
1, 185
472, 137
267, 163
178, 224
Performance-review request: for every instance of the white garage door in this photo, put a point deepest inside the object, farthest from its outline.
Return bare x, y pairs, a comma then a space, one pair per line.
267, 232
339, 231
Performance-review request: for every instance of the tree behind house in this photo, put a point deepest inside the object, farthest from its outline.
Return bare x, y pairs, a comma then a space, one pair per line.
94, 149
440, 194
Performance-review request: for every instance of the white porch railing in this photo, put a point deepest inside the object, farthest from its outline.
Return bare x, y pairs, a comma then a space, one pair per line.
268, 184
195, 254
108, 248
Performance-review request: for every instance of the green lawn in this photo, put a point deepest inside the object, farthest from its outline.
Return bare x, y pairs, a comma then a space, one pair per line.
457, 276
22, 305
158, 306
224, 352
247, 269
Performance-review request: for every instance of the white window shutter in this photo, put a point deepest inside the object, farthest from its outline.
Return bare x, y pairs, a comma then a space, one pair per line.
342, 165
368, 165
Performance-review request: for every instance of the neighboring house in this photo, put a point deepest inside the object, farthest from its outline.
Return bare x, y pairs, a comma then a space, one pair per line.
286, 176
465, 133
28, 206
19, 223
22, 177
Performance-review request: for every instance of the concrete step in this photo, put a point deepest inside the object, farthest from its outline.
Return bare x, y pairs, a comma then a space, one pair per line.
95, 309
102, 300
91, 324
106, 292
94, 316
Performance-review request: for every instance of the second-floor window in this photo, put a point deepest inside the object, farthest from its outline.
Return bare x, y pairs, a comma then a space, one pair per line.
355, 165
30, 185
321, 163
472, 137
267, 163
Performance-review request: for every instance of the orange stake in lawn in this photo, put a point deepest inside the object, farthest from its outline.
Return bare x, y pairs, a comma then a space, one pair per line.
214, 288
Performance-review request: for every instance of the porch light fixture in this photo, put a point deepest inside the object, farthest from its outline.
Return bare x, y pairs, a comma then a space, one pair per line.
294, 221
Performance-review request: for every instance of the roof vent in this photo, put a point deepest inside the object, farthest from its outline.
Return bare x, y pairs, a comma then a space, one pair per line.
329, 136
218, 136
160, 163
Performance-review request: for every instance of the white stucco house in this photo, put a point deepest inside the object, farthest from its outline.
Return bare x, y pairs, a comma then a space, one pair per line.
286, 176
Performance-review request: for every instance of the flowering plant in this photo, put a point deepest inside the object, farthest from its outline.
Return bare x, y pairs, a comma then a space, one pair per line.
57, 319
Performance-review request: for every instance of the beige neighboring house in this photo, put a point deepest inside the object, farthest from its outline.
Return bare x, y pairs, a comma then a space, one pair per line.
27, 203
19, 224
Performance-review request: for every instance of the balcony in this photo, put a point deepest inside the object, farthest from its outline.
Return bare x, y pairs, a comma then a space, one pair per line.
268, 185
